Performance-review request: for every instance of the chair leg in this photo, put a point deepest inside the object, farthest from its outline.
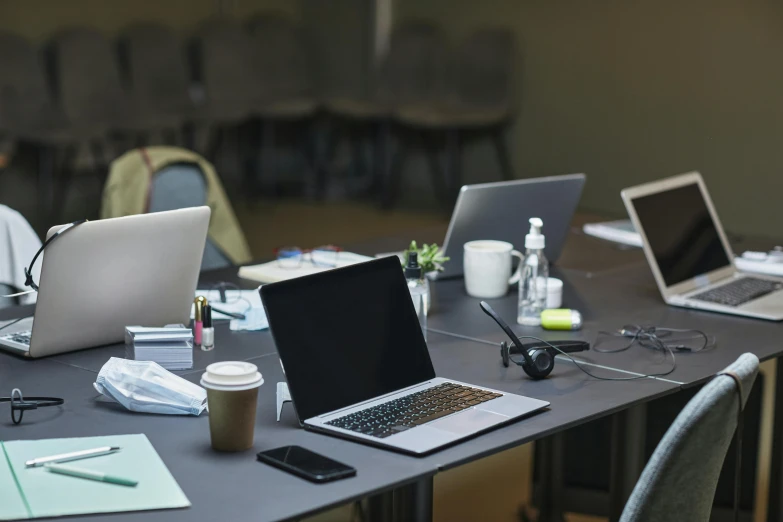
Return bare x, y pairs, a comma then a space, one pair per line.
100, 164
357, 152
319, 135
249, 159
391, 184
64, 175
269, 161
439, 181
499, 139
454, 164
46, 167
381, 158
214, 141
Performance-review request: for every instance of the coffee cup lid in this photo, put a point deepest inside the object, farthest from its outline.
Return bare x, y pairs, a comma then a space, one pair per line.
231, 376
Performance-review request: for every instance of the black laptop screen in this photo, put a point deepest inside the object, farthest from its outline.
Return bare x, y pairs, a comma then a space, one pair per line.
681, 233
346, 335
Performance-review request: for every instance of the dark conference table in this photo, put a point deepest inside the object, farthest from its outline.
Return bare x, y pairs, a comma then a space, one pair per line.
611, 287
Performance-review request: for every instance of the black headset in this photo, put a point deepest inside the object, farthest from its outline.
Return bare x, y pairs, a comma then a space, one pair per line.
538, 357
28, 272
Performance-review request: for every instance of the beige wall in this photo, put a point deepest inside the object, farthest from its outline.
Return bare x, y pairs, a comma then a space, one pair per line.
39, 19
633, 90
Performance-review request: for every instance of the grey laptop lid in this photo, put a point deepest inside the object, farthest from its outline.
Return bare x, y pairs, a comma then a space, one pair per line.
501, 211
108, 274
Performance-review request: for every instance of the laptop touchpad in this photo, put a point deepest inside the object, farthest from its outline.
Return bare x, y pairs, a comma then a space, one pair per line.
468, 421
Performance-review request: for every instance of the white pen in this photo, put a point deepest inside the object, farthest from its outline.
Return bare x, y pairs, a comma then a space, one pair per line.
76, 455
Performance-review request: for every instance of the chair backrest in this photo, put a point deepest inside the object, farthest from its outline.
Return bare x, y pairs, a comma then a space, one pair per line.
88, 79
414, 69
156, 70
227, 65
281, 56
483, 68
679, 481
23, 87
182, 185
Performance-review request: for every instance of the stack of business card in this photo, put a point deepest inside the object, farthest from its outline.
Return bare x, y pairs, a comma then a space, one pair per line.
170, 346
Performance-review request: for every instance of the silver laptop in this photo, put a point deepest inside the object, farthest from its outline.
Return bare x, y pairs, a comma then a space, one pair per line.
501, 211
104, 275
689, 254
358, 367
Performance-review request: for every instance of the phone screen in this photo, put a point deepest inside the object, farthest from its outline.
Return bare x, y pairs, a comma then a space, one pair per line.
306, 463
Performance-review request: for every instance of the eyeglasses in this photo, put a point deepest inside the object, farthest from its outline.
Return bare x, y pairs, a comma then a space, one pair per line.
20, 404
293, 257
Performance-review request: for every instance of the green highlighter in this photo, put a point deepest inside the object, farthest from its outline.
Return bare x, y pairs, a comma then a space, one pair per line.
90, 474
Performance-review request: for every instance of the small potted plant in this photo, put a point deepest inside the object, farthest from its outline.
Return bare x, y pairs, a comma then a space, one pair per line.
431, 260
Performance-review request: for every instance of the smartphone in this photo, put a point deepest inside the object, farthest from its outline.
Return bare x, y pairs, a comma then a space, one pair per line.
306, 464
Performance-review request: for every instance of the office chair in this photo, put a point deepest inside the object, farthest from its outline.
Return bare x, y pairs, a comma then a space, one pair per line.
89, 89
477, 103
157, 76
182, 185
680, 479
29, 114
286, 99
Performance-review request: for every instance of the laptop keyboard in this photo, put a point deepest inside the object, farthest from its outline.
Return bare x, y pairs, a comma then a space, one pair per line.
18, 337
413, 410
739, 291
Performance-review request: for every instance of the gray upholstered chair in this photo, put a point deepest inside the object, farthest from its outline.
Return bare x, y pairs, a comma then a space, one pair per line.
223, 60
225, 63
88, 82
158, 78
182, 185
477, 103
412, 76
89, 89
286, 97
679, 481
28, 112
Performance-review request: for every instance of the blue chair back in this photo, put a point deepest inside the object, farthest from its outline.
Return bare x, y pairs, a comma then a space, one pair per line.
182, 185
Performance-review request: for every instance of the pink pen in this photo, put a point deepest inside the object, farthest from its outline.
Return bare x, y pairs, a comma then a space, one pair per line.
198, 322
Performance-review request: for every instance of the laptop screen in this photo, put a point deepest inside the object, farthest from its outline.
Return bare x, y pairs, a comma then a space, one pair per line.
346, 335
681, 233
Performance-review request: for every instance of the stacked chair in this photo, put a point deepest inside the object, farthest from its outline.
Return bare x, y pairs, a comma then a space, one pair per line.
157, 75
287, 98
83, 96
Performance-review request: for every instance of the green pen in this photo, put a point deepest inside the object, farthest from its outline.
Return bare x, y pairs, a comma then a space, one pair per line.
90, 474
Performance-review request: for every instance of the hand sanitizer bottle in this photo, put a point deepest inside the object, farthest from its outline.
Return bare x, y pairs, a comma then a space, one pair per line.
418, 289
535, 272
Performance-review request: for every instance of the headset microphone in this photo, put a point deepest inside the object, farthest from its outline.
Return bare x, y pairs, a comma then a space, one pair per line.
539, 357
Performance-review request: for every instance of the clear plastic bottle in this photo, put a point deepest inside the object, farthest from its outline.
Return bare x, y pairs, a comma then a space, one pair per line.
418, 289
535, 272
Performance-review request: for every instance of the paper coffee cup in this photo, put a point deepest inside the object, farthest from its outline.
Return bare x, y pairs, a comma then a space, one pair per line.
232, 400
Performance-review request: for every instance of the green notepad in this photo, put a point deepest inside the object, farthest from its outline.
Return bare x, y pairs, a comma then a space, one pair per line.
36, 492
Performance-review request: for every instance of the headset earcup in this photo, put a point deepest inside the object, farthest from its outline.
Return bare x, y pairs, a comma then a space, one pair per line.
504, 357
544, 363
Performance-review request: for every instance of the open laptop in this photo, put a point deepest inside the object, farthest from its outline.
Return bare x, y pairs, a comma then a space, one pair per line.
501, 211
689, 254
358, 367
104, 275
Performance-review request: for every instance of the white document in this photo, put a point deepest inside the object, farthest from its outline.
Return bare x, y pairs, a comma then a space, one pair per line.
272, 272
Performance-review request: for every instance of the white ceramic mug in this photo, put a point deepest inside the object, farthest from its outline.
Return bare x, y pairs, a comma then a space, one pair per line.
487, 267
